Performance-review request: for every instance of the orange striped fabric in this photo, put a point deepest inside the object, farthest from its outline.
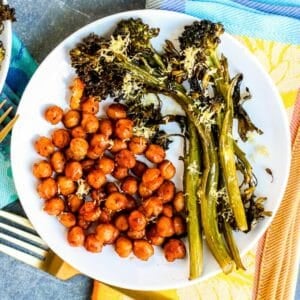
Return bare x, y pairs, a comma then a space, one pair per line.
278, 251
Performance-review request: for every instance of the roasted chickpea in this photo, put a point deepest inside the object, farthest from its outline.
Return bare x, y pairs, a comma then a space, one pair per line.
79, 147
167, 169
61, 138
124, 129
179, 225
74, 202
78, 132
152, 207
89, 123
90, 106
73, 170
131, 203
47, 188
92, 244
76, 236
125, 159
144, 191
120, 172
54, 114
67, 219
136, 234
152, 179
94, 153
142, 249
98, 195
130, 185
58, 161
99, 141
139, 169
116, 201
165, 227
77, 89
118, 145
90, 211
81, 222
71, 118
155, 153
137, 145
153, 236
116, 111
174, 249
106, 233
106, 127
44, 146
123, 246
106, 164
42, 169
96, 179
121, 222
179, 202
111, 187
137, 221
168, 210
54, 206
106, 215
166, 191
66, 185
87, 165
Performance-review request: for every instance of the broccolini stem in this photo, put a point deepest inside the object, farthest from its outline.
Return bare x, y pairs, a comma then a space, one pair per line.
191, 185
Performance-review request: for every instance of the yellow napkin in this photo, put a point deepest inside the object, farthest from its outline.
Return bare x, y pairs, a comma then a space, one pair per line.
275, 272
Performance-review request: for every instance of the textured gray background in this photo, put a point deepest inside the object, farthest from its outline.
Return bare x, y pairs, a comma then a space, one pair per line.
42, 24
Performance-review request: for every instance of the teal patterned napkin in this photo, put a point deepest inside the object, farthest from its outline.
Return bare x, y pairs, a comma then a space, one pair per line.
22, 66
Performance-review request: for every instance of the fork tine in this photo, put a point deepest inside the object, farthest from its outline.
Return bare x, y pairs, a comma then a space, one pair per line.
3, 103
6, 113
4, 132
16, 219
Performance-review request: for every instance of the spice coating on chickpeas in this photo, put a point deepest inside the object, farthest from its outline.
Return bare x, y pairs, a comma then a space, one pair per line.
135, 211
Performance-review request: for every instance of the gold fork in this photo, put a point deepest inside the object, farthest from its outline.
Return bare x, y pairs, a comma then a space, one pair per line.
7, 128
19, 240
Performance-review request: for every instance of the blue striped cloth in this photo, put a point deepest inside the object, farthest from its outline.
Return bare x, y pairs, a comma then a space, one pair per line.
277, 20
22, 66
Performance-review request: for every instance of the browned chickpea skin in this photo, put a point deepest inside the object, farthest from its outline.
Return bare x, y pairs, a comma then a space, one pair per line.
155, 153
174, 249
94, 153
106, 215
129, 185
116, 111
47, 188
152, 179
137, 145
123, 246
87, 165
89, 123
167, 169
66, 186
61, 138
74, 202
124, 129
76, 236
73, 170
79, 147
78, 132
71, 118
98, 195
144, 191
54, 114
90, 211
54, 206
106, 164
120, 172
44, 146
58, 161
92, 244
137, 221
116, 201
125, 159
106, 127
106, 233
153, 236
118, 145
131, 202
99, 140
142, 249
77, 89
165, 226
42, 169
136, 234
179, 225
96, 179
166, 191
81, 222
139, 169
111, 187
167, 210
152, 207
90, 105
179, 202
121, 222
67, 219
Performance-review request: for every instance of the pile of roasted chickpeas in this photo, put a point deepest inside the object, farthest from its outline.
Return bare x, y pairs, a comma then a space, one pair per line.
91, 177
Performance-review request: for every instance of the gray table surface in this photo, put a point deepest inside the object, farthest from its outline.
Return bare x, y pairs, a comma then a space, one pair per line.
42, 24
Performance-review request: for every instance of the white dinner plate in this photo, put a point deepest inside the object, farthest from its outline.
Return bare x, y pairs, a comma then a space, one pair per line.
49, 85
